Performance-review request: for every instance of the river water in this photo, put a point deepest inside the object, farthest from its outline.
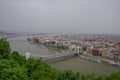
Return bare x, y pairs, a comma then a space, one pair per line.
76, 64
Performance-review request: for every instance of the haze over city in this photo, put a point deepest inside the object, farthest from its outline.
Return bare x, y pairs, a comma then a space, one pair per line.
60, 16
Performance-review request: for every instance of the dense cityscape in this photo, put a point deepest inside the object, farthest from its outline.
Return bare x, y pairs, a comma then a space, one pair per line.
103, 47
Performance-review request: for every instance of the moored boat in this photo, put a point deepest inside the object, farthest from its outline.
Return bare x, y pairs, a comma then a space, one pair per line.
91, 58
114, 63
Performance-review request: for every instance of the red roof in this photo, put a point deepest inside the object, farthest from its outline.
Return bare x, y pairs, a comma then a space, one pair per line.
98, 49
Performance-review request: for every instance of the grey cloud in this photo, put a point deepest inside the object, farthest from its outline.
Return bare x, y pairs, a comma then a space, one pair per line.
75, 16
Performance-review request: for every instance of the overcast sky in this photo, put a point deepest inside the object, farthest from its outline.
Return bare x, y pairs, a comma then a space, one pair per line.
62, 16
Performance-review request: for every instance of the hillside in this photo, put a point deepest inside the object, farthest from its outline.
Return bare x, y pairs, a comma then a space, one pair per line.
5, 33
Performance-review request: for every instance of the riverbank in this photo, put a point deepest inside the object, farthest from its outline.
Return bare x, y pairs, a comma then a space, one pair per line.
100, 59
88, 57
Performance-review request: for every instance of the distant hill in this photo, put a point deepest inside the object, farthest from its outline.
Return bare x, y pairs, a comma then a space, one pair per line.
5, 33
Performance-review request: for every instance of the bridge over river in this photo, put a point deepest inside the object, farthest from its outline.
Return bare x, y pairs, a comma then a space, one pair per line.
55, 57
59, 56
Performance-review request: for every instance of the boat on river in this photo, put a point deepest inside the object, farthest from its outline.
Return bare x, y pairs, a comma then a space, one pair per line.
90, 58
114, 63
42, 46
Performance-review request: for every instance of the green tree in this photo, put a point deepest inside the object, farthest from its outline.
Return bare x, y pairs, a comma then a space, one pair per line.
114, 76
84, 48
17, 57
11, 70
67, 75
4, 48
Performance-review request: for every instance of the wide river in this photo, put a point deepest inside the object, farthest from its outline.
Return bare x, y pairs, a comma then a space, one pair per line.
75, 64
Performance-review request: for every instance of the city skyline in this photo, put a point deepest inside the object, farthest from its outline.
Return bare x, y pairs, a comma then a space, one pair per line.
60, 16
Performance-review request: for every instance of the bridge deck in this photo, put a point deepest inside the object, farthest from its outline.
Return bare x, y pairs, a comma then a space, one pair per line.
58, 56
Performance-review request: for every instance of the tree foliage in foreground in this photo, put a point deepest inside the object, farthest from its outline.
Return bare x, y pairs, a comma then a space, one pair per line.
14, 66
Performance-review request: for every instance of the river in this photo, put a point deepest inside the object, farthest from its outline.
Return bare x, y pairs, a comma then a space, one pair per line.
76, 64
